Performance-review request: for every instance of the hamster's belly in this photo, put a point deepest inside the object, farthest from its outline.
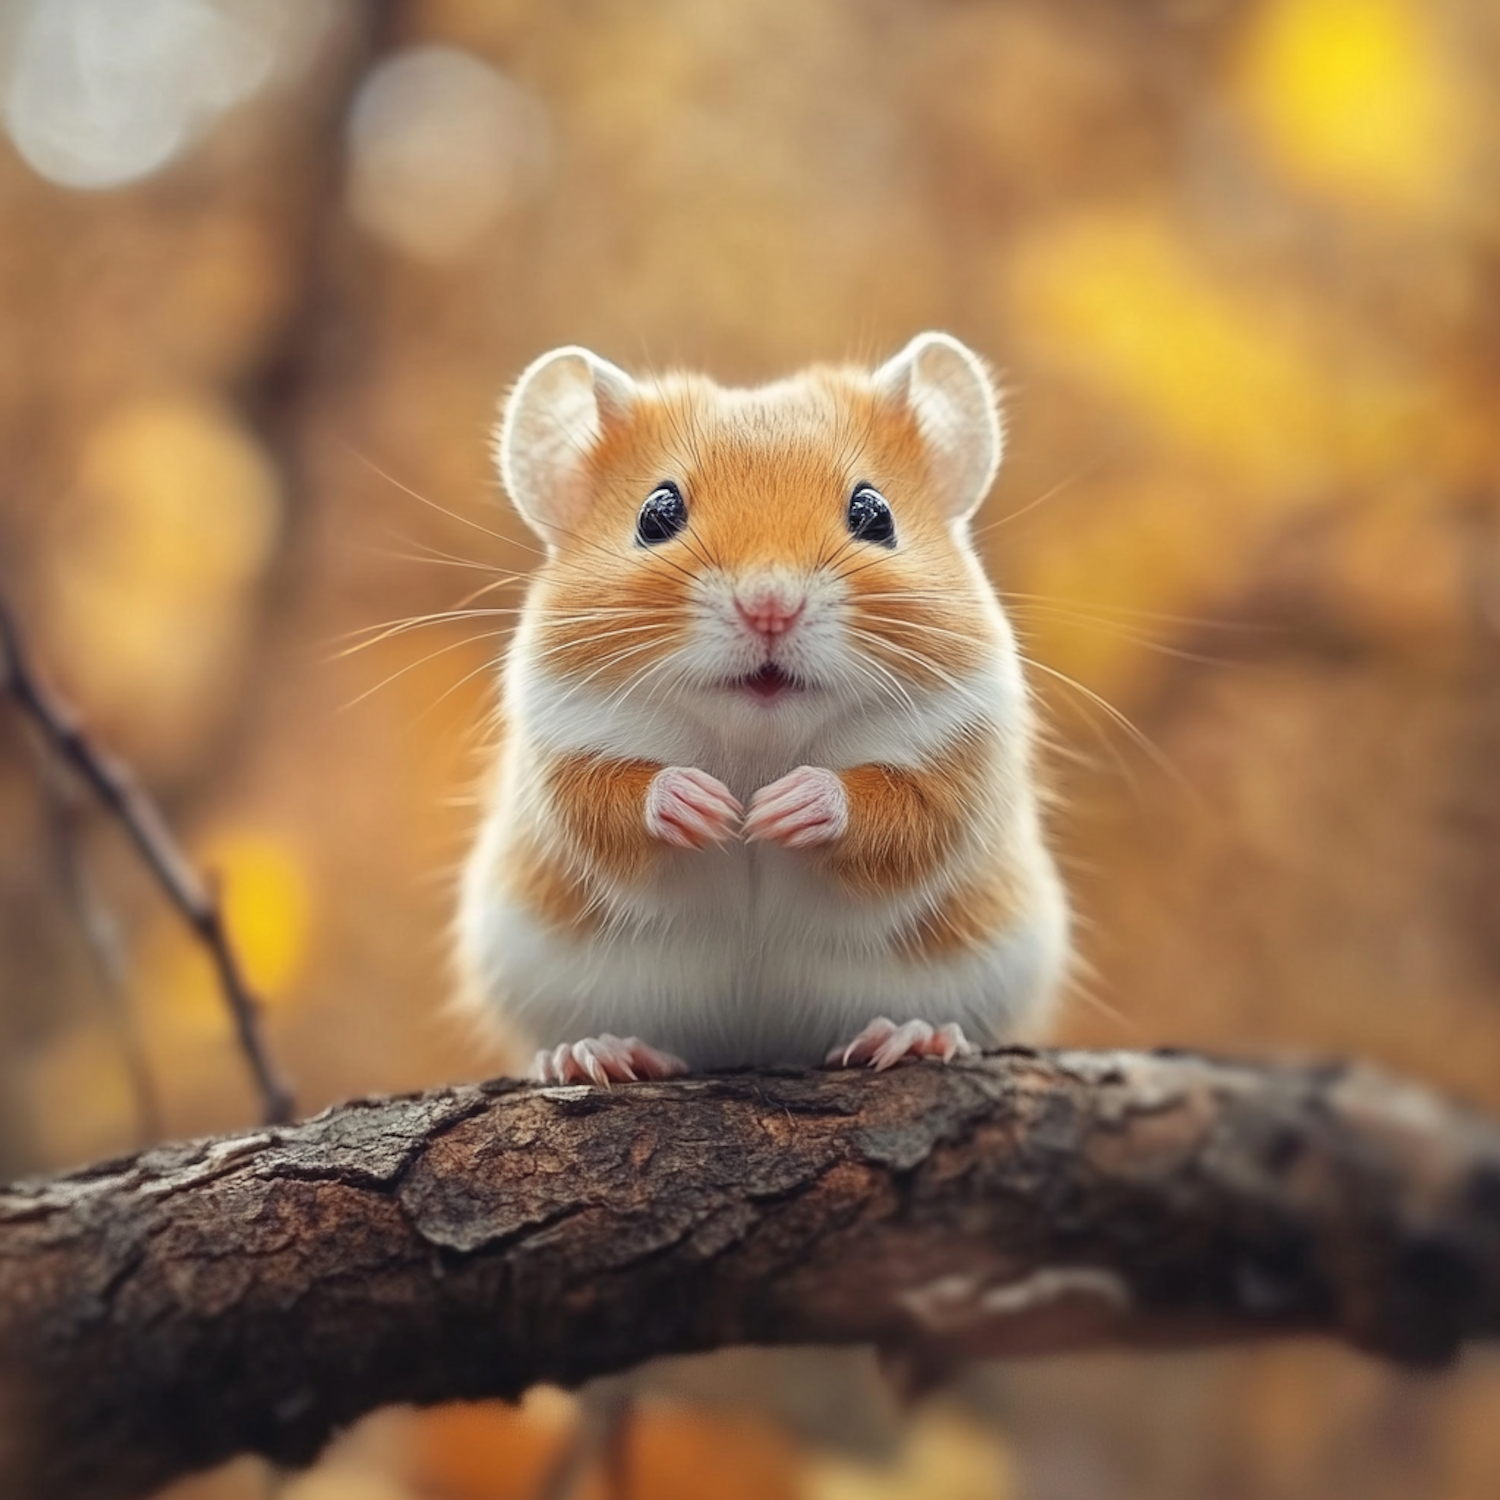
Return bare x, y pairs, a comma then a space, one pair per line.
744, 956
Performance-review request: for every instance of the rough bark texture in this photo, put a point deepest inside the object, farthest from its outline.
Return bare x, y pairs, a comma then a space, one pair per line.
163, 1312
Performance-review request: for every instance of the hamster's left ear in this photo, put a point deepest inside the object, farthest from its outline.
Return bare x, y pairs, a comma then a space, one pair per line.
949, 390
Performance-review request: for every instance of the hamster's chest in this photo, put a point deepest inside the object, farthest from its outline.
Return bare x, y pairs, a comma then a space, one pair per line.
749, 896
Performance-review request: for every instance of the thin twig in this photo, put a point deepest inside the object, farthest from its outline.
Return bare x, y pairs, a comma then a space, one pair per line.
101, 934
195, 898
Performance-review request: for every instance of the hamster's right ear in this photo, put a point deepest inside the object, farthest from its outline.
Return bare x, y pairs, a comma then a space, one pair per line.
553, 420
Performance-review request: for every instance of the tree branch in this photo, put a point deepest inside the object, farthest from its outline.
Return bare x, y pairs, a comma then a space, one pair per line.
117, 793
165, 1311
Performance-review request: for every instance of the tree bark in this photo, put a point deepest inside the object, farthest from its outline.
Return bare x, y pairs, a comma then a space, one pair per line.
163, 1312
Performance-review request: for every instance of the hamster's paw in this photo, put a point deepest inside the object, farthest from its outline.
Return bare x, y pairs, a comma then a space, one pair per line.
807, 806
604, 1060
689, 808
882, 1044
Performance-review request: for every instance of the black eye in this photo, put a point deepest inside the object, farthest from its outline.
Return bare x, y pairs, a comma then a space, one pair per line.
662, 516
870, 518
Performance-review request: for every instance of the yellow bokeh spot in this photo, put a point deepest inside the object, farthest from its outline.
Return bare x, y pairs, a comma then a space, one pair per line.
198, 496
175, 512
267, 896
1239, 376
267, 905
1355, 98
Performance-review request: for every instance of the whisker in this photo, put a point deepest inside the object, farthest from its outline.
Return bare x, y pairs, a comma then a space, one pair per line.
1058, 612
412, 666
441, 616
433, 558
891, 683
922, 661
375, 634
845, 545
924, 626
1158, 759
562, 647
704, 554
605, 666
1087, 472
1135, 638
617, 698
1097, 607
421, 499
649, 555
865, 567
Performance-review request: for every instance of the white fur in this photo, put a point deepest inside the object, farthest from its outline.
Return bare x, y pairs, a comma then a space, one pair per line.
751, 962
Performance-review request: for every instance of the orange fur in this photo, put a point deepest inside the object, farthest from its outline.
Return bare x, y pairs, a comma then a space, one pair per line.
904, 826
598, 806
601, 805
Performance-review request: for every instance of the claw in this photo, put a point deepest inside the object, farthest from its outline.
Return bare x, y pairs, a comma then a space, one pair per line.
604, 1060
863, 1047
882, 1044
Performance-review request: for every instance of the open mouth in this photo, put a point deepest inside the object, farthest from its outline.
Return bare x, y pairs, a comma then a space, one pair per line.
770, 682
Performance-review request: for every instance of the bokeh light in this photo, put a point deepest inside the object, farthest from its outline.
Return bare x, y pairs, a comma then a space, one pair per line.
441, 145
1358, 98
172, 519
102, 93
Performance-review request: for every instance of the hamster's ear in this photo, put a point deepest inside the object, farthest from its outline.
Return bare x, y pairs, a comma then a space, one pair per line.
948, 388
553, 421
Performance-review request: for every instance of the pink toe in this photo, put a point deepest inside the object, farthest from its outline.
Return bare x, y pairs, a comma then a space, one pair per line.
882, 1044
901, 1042
652, 1064
949, 1042
605, 1060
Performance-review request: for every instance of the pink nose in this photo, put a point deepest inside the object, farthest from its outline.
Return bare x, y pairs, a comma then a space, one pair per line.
769, 614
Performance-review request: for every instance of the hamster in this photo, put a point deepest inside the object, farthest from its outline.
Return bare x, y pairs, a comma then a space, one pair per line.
764, 789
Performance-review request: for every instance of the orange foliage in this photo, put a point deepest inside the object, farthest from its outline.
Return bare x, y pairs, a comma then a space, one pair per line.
495, 1452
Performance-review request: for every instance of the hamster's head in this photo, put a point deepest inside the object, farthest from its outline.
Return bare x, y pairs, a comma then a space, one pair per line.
797, 551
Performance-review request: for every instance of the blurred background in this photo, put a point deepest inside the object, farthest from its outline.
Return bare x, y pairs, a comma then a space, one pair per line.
266, 265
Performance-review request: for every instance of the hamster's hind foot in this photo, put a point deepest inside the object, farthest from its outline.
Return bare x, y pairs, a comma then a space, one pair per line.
882, 1044
604, 1060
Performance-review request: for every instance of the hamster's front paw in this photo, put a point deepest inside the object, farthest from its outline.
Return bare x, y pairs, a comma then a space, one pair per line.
604, 1060
807, 806
689, 808
882, 1044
